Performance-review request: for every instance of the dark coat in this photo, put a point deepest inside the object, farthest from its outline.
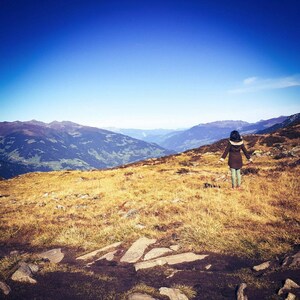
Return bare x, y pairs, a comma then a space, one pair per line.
235, 158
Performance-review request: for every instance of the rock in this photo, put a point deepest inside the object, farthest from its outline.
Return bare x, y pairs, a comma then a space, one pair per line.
108, 256
290, 296
288, 285
139, 296
54, 255
292, 261
23, 274
136, 251
240, 295
170, 260
5, 288
33, 267
130, 213
172, 272
139, 226
175, 247
156, 252
173, 294
207, 267
262, 266
14, 253
60, 207
296, 260
94, 253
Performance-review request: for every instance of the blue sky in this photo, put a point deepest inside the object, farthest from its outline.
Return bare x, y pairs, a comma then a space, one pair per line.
149, 64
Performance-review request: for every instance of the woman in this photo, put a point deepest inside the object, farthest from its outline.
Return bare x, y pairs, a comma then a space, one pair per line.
235, 162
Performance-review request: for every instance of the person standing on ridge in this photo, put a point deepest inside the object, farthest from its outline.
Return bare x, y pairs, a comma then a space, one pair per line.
235, 162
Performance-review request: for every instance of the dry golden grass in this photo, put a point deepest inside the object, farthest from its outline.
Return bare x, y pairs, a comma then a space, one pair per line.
167, 199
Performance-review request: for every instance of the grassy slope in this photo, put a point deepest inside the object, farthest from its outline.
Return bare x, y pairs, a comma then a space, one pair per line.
260, 221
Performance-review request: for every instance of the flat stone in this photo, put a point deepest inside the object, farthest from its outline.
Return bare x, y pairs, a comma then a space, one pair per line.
5, 288
94, 253
156, 252
288, 285
240, 295
296, 260
140, 296
262, 266
23, 274
170, 260
173, 294
136, 251
54, 255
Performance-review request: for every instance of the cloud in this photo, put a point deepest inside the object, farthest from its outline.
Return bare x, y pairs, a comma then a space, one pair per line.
255, 84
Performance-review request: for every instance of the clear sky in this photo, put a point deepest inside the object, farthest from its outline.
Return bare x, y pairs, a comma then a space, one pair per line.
149, 64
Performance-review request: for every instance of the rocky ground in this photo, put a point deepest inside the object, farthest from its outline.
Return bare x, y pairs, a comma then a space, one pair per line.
148, 269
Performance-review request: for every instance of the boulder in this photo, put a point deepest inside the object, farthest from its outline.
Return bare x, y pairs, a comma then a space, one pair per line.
288, 285
240, 295
5, 288
54, 255
94, 253
156, 252
23, 274
170, 260
173, 294
136, 251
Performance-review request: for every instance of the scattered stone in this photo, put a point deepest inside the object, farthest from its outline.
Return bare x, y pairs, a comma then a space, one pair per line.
33, 267
208, 267
288, 285
208, 185
131, 213
94, 253
290, 296
296, 260
14, 253
54, 255
173, 294
108, 256
262, 266
140, 296
156, 252
84, 196
136, 251
60, 207
46, 195
5, 288
240, 295
23, 274
292, 261
172, 272
175, 247
139, 226
170, 260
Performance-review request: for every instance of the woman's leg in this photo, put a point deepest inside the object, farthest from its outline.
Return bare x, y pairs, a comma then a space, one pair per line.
239, 177
233, 177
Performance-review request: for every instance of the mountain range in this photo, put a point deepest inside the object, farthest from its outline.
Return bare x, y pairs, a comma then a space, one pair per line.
36, 146
202, 134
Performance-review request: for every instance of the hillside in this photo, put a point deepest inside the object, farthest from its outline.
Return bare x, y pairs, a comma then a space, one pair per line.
290, 121
182, 200
36, 146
